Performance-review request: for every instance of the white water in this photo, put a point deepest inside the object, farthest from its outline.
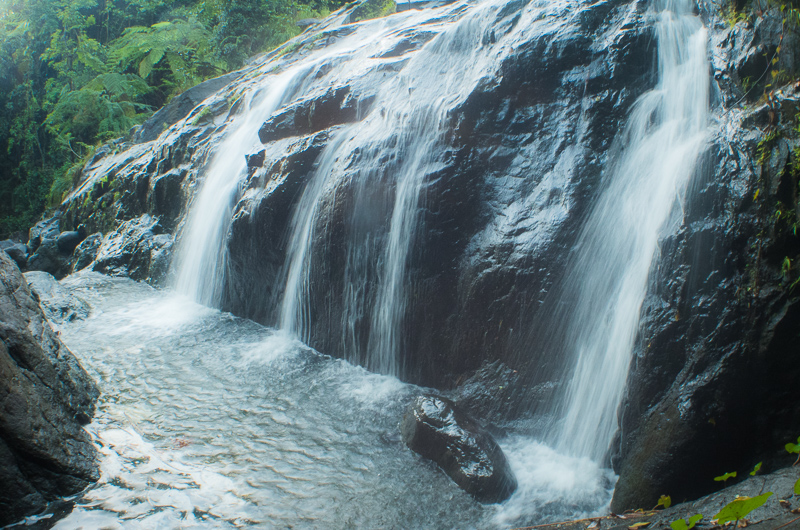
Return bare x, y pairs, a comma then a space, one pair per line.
209, 421
607, 281
202, 254
407, 122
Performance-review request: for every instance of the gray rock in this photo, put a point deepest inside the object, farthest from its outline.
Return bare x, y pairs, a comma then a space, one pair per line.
86, 252
50, 259
137, 249
180, 107
45, 396
335, 107
57, 303
305, 23
16, 251
436, 429
45, 229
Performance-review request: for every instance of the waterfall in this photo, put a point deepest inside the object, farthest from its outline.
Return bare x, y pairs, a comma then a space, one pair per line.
399, 144
201, 255
607, 279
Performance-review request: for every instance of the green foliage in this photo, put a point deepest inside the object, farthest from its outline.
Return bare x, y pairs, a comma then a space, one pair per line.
681, 524
665, 501
764, 148
76, 73
368, 9
741, 508
756, 469
797, 487
725, 477
792, 447
183, 48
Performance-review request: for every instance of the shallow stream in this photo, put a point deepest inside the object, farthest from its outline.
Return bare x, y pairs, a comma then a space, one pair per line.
208, 420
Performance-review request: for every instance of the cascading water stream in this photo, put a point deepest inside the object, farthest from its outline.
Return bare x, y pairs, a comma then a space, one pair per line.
607, 279
202, 253
408, 120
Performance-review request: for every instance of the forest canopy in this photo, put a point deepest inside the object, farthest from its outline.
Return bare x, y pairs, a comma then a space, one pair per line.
77, 73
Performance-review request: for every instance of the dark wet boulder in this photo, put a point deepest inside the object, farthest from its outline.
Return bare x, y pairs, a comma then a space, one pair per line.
436, 429
44, 229
16, 251
135, 249
86, 252
68, 241
335, 107
57, 303
45, 397
50, 259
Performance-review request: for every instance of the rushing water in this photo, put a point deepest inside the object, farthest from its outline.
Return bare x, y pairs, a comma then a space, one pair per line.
206, 420
607, 280
398, 145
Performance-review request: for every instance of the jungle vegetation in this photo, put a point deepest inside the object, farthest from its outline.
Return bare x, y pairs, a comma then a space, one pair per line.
77, 73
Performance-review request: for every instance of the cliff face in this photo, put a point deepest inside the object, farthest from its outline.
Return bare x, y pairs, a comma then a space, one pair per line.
518, 161
522, 153
713, 387
45, 398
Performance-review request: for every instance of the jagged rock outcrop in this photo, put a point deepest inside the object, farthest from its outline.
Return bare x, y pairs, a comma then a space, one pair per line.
45, 397
433, 427
138, 249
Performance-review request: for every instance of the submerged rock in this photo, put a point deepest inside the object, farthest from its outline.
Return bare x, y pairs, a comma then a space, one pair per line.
434, 428
45, 397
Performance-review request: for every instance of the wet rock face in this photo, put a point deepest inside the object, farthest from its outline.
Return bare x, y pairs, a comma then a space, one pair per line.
713, 385
137, 249
520, 165
434, 428
57, 303
45, 397
312, 115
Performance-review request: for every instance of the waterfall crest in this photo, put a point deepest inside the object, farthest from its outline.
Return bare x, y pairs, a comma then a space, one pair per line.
607, 280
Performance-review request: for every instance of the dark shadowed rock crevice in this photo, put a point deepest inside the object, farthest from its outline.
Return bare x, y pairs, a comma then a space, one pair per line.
45, 398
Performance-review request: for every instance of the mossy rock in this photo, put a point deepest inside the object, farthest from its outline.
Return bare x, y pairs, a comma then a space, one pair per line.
373, 9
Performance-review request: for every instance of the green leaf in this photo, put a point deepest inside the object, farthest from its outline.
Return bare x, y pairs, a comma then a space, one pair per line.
741, 507
756, 469
792, 448
150, 60
665, 501
797, 487
681, 524
725, 477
